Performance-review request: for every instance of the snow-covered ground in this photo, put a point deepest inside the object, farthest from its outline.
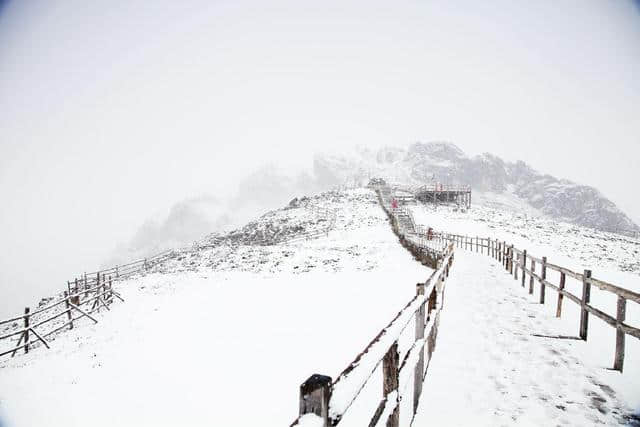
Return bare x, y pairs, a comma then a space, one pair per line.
493, 366
224, 335
606, 254
573, 247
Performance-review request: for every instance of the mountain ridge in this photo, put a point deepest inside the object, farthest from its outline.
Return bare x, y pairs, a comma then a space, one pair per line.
444, 162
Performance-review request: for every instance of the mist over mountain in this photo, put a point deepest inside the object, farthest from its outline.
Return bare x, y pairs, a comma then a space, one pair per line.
496, 182
514, 186
191, 219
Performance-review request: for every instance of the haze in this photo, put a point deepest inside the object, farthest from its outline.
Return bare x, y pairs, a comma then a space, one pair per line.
113, 112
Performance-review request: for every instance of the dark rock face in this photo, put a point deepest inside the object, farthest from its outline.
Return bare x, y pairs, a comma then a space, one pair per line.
444, 162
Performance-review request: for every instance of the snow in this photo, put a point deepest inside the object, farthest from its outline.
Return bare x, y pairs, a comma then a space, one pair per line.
493, 364
573, 247
224, 335
310, 420
346, 390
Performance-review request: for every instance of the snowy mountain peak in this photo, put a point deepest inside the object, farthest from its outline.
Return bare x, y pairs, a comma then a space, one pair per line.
487, 174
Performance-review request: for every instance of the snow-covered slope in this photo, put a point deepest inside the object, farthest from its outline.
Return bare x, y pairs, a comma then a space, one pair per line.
610, 257
559, 199
224, 332
498, 364
224, 335
571, 245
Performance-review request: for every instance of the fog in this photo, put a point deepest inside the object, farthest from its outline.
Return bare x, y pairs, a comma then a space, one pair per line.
129, 125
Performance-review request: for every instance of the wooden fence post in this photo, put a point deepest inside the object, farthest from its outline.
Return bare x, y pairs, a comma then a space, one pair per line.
586, 297
26, 326
86, 287
505, 255
533, 269
618, 361
390, 364
69, 315
419, 370
524, 266
511, 260
516, 267
563, 279
315, 393
543, 277
96, 303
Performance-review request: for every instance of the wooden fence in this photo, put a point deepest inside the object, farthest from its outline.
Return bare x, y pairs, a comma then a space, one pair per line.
325, 402
521, 263
83, 297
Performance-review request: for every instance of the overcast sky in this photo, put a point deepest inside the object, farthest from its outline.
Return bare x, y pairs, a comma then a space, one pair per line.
112, 111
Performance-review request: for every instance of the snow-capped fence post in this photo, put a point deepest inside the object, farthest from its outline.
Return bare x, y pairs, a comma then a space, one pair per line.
508, 261
315, 393
69, 315
533, 270
26, 329
390, 365
505, 253
419, 369
524, 266
563, 278
618, 360
543, 277
86, 286
511, 260
586, 297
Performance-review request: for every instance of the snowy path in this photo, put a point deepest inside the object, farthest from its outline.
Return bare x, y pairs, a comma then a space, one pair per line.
490, 369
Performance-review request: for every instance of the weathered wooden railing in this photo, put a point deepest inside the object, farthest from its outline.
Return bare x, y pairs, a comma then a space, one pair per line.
520, 262
324, 402
83, 297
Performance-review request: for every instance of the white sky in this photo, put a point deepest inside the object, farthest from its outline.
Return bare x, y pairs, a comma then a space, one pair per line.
113, 111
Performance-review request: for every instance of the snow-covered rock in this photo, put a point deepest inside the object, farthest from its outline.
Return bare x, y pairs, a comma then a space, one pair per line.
559, 199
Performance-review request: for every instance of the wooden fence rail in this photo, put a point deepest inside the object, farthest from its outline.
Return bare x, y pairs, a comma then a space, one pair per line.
520, 261
82, 298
